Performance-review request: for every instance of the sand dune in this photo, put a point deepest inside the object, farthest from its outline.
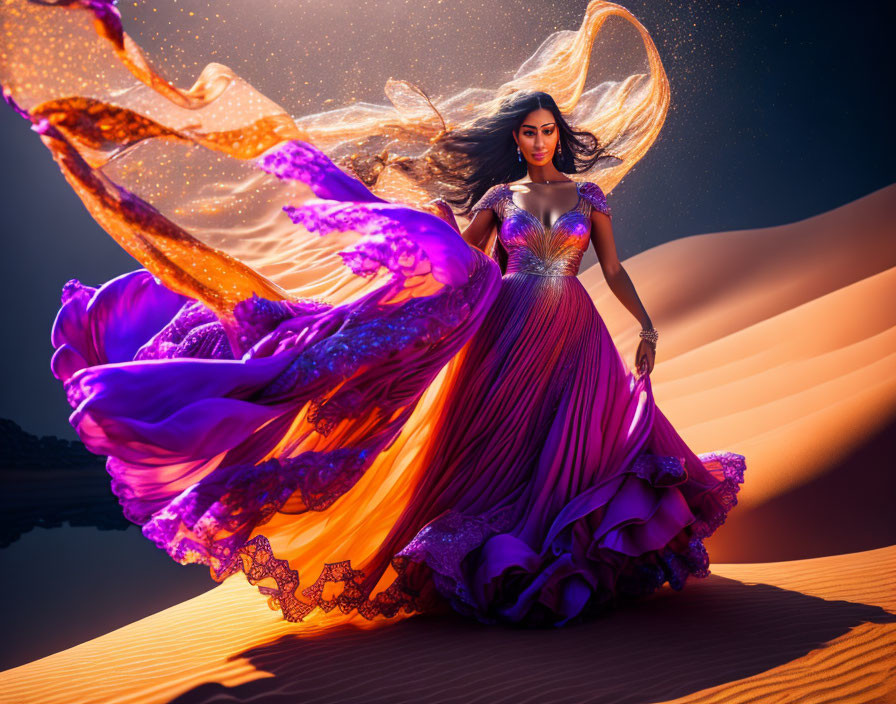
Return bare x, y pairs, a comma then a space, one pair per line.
778, 344
824, 628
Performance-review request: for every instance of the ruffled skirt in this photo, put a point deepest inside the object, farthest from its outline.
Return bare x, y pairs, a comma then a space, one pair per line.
554, 485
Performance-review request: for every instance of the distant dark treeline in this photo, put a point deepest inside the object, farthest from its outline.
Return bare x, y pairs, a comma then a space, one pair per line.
47, 481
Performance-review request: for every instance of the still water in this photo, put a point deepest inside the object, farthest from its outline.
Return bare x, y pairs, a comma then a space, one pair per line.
63, 586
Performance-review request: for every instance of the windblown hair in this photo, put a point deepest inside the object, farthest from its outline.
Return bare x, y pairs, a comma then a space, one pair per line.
472, 160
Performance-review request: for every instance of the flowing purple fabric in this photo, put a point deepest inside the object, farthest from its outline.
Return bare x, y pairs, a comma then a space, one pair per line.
553, 485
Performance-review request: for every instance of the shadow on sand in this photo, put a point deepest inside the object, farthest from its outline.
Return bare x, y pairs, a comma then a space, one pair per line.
669, 645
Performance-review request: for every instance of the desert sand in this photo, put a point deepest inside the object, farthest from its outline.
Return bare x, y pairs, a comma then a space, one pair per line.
778, 344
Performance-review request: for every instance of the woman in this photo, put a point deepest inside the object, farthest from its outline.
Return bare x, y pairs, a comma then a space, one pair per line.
554, 485
457, 433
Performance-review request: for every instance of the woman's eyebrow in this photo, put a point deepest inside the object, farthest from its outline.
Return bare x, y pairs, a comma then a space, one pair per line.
544, 125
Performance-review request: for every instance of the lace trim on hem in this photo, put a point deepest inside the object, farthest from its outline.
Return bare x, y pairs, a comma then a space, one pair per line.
258, 562
459, 535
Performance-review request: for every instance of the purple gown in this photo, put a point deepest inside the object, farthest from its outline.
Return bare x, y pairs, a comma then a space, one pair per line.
551, 485
554, 484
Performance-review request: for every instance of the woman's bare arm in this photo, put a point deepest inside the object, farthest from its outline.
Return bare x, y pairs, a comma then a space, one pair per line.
480, 228
617, 277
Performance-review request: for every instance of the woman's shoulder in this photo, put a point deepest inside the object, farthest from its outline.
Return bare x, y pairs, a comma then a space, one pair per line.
492, 198
593, 193
498, 190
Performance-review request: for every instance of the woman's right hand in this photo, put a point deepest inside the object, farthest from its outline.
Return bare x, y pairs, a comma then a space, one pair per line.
444, 211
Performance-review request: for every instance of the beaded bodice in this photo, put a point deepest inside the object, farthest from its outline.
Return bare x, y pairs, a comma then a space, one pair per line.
533, 248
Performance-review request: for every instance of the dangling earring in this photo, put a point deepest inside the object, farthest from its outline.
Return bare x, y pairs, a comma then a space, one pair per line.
558, 149
519, 154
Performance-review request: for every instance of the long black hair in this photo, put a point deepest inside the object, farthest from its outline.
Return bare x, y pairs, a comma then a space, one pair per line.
472, 160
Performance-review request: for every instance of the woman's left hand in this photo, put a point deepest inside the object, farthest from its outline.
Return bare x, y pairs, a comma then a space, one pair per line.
644, 358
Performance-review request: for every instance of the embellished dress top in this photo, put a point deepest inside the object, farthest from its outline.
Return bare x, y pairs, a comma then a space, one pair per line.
533, 248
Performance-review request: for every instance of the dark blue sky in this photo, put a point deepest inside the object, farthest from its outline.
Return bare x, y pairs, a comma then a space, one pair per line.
780, 111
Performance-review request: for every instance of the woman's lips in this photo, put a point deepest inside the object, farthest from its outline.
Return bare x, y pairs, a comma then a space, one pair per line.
539, 156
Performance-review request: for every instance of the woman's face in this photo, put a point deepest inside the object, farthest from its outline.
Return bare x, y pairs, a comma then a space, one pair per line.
538, 137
